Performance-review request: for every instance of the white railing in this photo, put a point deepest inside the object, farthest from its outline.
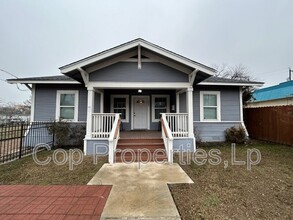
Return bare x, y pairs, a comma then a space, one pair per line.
178, 124
114, 137
102, 124
167, 138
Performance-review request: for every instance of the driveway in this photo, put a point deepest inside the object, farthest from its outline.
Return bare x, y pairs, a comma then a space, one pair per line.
52, 202
140, 191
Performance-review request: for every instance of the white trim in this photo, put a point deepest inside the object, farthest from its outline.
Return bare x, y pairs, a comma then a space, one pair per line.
189, 107
148, 112
192, 77
76, 98
169, 63
43, 81
136, 85
101, 92
218, 94
33, 102
240, 104
84, 75
126, 120
90, 110
217, 121
230, 84
143, 60
177, 58
177, 102
139, 57
97, 57
153, 105
110, 62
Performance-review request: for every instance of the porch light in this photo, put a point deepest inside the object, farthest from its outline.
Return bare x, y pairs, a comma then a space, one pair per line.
140, 101
139, 91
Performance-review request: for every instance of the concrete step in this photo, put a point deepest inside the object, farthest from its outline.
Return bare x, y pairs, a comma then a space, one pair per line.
134, 140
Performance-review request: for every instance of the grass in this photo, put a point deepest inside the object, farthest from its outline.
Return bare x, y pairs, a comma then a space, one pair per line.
265, 192
26, 171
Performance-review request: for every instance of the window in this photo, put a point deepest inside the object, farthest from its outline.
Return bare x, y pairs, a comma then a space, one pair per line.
67, 105
160, 104
120, 104
210, 106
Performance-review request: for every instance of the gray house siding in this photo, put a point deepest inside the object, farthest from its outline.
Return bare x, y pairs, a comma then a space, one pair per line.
45, 101
128, 72
212, 131
230, 113
230, 103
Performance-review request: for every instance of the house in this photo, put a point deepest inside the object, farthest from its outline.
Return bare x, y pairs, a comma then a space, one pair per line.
277, 95
139, 86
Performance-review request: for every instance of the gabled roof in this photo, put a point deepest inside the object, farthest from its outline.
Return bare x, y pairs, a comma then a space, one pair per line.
132, 44
283, 90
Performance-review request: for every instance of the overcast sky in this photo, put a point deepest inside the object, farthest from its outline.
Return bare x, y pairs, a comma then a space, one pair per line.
37, 36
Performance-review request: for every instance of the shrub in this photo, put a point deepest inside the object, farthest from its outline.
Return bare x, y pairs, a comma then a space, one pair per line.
77, 135
60, 130
67, 134
235, 134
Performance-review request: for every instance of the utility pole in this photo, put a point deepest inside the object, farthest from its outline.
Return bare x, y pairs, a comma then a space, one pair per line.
290, 74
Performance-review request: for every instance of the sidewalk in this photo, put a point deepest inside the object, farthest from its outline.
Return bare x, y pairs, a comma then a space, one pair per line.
140, 191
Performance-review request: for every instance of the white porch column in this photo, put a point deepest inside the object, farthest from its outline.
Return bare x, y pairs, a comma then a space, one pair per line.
90, 110
189, 105
102, 102
177, 102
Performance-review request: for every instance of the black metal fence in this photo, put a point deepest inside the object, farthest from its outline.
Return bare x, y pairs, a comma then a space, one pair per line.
19, 139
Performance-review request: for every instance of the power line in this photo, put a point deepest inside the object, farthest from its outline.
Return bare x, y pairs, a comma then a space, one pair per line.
11, 74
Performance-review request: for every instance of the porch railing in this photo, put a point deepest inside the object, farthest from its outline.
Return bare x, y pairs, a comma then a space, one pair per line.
178, 124
114, 137
102, 124
107, 126
167, 138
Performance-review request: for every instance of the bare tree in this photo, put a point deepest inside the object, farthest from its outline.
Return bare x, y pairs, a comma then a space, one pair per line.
237, 72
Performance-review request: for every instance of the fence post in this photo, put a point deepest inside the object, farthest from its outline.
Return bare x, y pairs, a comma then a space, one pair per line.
21, 139
53, 143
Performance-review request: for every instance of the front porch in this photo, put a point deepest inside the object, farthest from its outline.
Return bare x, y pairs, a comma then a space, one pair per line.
106, 133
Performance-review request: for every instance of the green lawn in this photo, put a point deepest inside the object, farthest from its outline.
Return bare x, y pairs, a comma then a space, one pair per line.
26, 171
265, 192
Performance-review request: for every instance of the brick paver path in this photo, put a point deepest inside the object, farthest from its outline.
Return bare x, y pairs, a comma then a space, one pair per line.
52, 202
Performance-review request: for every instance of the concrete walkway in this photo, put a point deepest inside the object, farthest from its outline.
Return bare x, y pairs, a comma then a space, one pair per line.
140, 191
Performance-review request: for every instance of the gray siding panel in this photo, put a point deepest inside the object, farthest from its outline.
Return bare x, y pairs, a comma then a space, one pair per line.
45, 101
128, 72
230, 102
183, 145
212, 131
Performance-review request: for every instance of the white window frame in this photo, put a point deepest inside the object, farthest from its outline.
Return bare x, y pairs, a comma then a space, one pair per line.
153, 105
218, 94
76, 99
127, 106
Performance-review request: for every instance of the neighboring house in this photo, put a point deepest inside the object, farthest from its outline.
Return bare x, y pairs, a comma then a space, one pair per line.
277, 95
142, 82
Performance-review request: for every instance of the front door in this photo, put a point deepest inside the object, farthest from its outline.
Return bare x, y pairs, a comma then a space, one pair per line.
140, 112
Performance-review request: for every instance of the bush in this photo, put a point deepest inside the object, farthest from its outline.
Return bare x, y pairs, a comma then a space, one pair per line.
61, 131
235, 134
67, 134
77, 135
